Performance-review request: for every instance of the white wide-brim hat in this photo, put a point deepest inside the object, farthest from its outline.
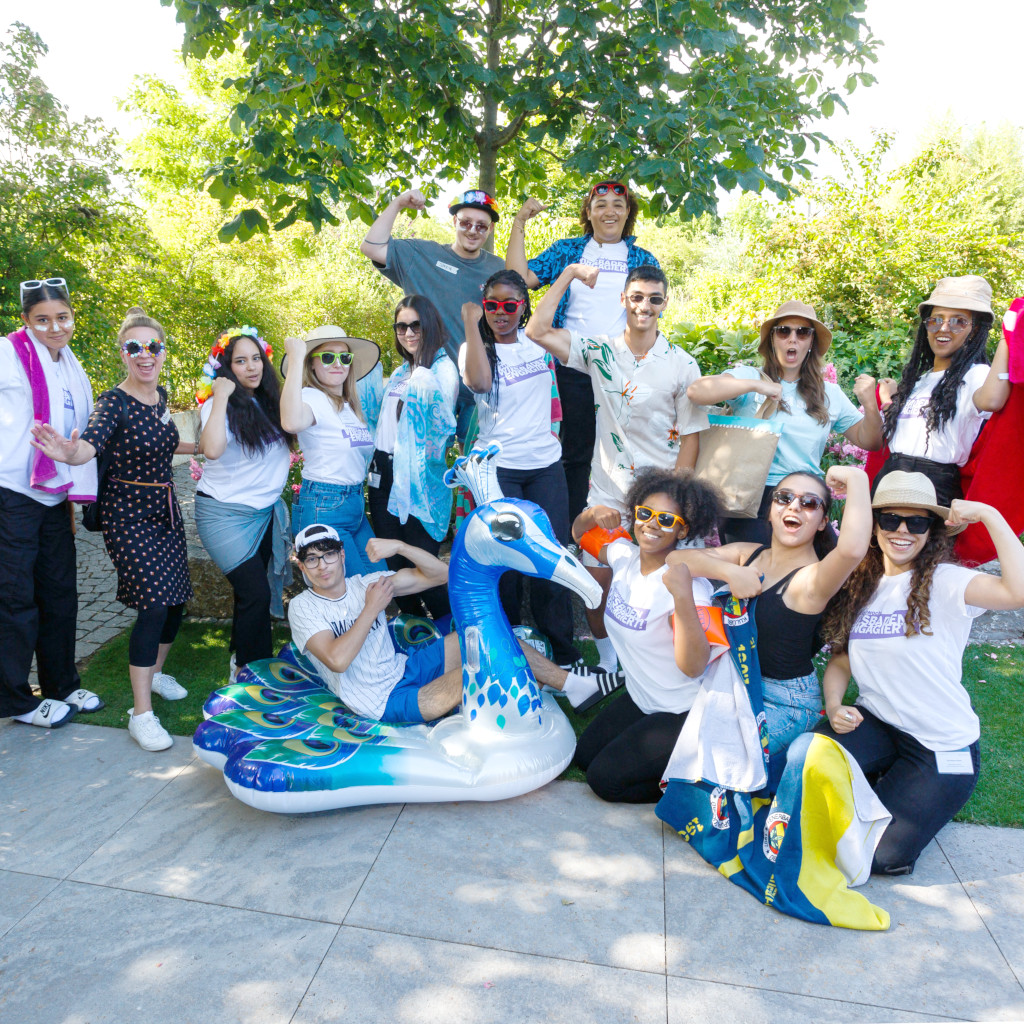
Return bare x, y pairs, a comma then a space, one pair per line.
366, 353
900, 489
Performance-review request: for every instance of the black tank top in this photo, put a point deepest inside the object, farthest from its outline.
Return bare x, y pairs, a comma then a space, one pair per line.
786, 640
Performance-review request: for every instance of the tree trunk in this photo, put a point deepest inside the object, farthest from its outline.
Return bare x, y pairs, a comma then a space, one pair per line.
486, 140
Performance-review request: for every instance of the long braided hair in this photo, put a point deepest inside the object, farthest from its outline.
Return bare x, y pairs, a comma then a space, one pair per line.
942, 404
515, 281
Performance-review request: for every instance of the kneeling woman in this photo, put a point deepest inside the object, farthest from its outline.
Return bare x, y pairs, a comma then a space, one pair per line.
651, 616
900, 626
239, 496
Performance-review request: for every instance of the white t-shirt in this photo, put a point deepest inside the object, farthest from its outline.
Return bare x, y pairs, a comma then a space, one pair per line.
913, 683
638, 617
642, 409
520, 418
238, 478
387, 424
375, 671
338, 447
953, 443
599, 310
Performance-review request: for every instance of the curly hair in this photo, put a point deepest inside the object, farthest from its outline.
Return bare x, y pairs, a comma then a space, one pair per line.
256, 425
810, 384
846, 606
632, 209
942, 404
432, 331
515, 281
824, 540
699, 503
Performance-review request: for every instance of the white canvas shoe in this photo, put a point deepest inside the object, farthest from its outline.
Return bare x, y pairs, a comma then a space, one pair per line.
168, 687
147, 731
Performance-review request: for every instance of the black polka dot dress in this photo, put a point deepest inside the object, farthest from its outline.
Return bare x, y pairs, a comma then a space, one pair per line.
142, 525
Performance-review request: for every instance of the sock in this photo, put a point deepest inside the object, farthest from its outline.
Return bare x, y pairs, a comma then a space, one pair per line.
606, 656
28, 716
578, 688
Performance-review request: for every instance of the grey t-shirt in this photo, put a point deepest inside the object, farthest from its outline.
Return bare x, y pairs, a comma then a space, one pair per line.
422, 267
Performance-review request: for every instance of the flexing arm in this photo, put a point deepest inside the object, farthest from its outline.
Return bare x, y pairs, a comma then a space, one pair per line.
723, 387
603, 517
997, 593
540, 327
724, 563
338, 652
214, 438
477, 375
994, 393
375, 244
515, 257
427, 571
837, 678
689, 642
866, 433
296, 415
71, 450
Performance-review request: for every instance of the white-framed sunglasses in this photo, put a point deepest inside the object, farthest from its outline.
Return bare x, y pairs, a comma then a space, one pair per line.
52, 282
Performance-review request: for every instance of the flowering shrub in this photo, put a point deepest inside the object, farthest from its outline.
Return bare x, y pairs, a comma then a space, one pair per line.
294, 483
195, 467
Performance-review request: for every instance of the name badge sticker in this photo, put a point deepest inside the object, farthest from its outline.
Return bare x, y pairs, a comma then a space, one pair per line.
373, 479
954, 762
446, 266
166, 418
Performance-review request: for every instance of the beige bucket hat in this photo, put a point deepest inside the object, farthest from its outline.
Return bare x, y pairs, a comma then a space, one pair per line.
366, 352
967, 292
900, 489
822, 335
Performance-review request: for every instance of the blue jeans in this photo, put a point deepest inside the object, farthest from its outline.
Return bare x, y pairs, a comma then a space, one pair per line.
791, 707
341, 506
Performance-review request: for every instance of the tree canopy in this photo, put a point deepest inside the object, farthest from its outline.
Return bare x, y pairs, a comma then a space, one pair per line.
683, 97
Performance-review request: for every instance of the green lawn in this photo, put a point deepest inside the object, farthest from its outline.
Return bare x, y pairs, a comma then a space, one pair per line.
199, 661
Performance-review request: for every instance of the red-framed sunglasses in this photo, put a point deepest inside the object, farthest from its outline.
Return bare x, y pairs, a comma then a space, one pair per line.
504, 305
602, 188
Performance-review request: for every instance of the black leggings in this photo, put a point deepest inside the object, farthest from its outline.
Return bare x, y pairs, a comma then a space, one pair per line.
153, 627
251, 636
919, 799
625, 751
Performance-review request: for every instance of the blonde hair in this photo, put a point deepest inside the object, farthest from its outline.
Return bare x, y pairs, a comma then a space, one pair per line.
136, 317
349, 393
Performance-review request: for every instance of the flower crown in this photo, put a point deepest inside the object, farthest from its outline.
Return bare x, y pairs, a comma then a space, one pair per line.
212, 364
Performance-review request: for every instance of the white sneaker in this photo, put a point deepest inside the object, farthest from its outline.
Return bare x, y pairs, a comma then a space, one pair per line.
232, 670
147, 731
168, 687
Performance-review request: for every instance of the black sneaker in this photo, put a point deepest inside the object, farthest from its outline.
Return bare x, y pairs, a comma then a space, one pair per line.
607, 682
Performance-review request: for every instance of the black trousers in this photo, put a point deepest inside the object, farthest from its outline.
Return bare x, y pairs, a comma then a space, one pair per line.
918, 797
38, 602
625, 751
549, 602
579, 434
412, 531
251, 636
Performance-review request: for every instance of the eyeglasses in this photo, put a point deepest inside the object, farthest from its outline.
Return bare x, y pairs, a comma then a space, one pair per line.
666, 520
412, 325
806, 501
135, 348
328, 558
637, 299
472, 227
504, 305
956, 324
784, 331
52, 282
890, 522
602, 188
328, 358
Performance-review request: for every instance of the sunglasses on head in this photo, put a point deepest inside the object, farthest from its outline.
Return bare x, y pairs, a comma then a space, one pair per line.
329, 358
806, 501
135, 348
602, 188
503, 305
412, 325
35, 285
784, 331
890, 522
666, 520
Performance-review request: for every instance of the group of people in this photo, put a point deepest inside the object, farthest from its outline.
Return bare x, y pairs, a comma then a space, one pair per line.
598, 420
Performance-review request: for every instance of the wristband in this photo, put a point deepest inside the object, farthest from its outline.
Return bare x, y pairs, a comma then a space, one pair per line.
196, 452
1004, 376
598, 537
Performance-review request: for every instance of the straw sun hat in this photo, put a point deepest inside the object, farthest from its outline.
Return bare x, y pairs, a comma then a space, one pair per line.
366, 353
822, 335
900, 489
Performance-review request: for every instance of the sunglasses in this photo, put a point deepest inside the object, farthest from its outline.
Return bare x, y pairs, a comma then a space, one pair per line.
890, 522
503, 305
808, 502
784, 331
666, 520
413, 326
329, 358
135, 348
602, 188
956, 324
52, 282
655, 300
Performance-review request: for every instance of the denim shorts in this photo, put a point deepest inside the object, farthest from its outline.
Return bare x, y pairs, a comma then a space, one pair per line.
791, 707
343, 507
423, 665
